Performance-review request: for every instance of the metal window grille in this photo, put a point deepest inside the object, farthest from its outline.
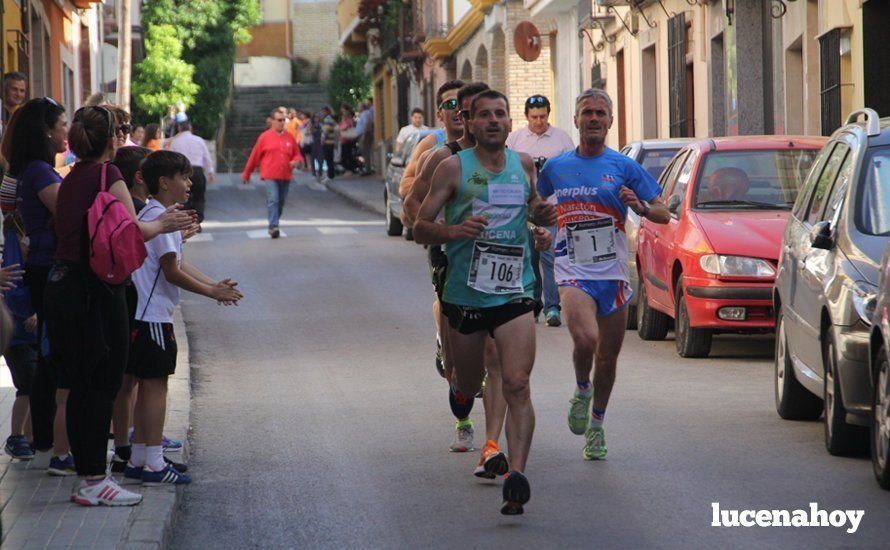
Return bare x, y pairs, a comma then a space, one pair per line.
677, 46
830, 68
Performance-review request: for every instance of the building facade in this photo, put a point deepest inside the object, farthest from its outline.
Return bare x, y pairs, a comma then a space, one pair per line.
57, 44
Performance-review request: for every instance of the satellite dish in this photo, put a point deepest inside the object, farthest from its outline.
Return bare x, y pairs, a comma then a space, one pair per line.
527, 41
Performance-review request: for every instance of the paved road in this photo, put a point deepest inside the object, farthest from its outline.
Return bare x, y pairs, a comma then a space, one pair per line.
319, 420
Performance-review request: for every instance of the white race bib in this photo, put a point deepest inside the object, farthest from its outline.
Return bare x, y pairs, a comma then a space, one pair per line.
496, 268
506, 193
591, 241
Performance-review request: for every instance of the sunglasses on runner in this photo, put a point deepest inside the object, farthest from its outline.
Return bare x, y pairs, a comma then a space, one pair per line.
448, 104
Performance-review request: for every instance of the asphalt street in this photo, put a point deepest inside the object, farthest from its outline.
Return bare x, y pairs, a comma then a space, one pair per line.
318, 419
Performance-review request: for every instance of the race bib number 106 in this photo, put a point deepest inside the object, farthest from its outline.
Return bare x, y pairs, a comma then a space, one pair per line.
496, 268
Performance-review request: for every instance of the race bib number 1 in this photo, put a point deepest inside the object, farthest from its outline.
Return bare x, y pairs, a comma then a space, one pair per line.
591, 241
496, 268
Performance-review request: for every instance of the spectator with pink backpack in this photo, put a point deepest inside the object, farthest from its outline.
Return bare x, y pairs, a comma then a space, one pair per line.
99, 244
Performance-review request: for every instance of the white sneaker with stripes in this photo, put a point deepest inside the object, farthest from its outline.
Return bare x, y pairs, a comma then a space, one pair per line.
106, 493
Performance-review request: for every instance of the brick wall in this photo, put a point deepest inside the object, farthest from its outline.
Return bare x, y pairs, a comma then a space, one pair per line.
316, 33
506, 71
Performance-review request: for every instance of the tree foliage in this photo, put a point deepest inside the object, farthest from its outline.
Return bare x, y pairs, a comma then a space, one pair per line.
348, 82
209, 31
163, 77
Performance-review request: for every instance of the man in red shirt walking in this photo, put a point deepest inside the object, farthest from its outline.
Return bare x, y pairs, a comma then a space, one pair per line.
276, 153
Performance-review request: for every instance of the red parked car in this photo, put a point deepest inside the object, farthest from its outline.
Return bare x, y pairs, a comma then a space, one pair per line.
712, 268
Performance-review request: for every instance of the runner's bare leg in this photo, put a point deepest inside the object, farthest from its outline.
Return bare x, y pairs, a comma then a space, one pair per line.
516, 346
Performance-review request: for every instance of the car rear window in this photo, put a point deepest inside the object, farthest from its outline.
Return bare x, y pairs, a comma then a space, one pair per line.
874, 218
747, 180
654, 161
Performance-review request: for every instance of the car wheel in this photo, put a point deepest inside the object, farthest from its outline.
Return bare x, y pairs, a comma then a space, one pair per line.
651, 323
841, 438
880, 426
691, 342
393, 223
632, 310
793, 401
409, 234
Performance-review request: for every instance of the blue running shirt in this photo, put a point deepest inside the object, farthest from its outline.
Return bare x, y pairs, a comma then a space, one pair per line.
591, 243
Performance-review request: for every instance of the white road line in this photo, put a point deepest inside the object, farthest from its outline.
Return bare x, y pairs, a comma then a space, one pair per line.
262, 234
201, 238
337, 230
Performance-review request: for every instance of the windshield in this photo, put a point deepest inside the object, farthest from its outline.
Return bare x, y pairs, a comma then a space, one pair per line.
875, 202
654, 161
739, 180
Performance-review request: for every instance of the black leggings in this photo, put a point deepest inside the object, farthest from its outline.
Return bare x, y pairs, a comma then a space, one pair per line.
197, 193
43, 388
88, 331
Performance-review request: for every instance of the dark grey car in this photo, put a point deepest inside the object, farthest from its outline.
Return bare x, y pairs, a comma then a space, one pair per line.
391, 199
879, 356
653, 155
826, 284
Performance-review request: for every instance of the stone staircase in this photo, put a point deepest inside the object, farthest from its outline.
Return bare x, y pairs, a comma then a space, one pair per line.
246, 118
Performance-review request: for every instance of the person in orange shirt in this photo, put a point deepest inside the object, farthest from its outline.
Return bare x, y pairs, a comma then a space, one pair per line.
152, 138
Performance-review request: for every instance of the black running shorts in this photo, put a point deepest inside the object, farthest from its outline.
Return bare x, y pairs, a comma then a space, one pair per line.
468, 320
152, 350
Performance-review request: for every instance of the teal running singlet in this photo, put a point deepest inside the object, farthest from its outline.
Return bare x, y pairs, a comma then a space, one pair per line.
495, 268
440, 138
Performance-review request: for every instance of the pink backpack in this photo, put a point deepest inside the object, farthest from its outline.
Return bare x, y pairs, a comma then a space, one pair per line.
117, 248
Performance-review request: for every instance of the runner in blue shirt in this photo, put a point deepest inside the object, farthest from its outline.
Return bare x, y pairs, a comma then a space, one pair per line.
594, 186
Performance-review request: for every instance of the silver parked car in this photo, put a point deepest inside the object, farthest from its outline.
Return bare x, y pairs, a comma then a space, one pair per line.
391, 199
826, 285
654, 155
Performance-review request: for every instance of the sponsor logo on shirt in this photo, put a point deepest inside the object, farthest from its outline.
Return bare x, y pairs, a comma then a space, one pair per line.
579, 191
477, 179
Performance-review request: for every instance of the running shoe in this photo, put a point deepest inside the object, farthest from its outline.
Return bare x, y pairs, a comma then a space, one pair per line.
516, 493
579, 412
168, 476
553, 318
17, 447
170, 444
274, 233
133, 472
440, 358
595, 444
106, 493
60, 467
178, 465
463, 436
492, 462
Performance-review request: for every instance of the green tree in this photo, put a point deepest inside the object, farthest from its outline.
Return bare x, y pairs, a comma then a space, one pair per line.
209, 30
163, 77
348, 82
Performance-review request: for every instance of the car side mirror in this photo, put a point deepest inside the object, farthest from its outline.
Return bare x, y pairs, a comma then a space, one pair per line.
820, 236
674, 204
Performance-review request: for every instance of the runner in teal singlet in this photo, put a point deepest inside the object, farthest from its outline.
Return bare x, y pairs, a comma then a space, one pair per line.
488, 193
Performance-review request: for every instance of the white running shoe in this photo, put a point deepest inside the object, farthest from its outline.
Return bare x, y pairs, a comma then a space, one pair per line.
463, 437
106, 493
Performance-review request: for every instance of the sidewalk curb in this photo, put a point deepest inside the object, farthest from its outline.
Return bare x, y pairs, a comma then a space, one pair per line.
357, 199
150, 524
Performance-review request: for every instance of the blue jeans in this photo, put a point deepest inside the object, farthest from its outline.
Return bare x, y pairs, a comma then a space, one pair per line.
548, 280
276, 194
